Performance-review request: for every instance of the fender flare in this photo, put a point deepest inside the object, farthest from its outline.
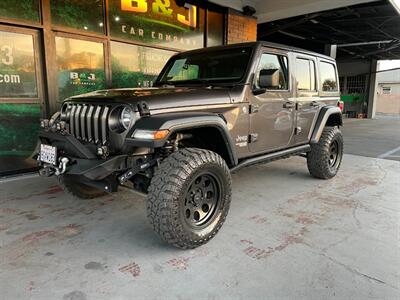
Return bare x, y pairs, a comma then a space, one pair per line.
182, 121
323, 116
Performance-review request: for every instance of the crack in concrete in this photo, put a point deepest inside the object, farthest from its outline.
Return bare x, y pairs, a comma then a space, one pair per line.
352, 270
356, 272
344, 239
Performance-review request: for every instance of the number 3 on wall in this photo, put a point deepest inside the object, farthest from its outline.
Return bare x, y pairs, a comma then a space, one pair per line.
8, 53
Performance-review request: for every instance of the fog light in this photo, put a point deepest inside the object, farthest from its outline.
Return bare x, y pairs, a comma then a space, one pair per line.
63, 125
44, 123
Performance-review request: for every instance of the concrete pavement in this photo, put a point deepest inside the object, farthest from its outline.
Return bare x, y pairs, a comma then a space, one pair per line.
287, 235
373, 137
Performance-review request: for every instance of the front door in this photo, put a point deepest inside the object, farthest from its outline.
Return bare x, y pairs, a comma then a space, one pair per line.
272, 109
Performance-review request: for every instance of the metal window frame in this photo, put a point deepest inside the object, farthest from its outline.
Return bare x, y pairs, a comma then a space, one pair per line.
38, 67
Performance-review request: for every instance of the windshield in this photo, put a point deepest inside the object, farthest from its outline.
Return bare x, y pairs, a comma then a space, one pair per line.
217, 66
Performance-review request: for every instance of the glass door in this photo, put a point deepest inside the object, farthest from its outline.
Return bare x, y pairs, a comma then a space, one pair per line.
21, 97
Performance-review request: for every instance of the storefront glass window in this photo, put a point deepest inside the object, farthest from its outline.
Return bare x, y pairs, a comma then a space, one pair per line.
82, 15
215, 28
135, 66
27, 10
80, 67
157, 22
19, 124
17, 66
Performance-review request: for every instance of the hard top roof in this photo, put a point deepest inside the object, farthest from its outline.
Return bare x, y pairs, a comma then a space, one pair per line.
263, 44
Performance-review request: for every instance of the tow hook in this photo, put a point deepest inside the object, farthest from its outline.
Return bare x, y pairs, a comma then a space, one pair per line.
50, 170
62, 167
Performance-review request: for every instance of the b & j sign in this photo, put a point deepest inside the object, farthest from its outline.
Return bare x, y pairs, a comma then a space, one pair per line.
159, 22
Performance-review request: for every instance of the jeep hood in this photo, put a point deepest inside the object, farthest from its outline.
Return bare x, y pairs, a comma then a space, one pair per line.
159, 98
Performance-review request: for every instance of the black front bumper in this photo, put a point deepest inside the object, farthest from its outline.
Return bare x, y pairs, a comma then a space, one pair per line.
97, 169
82, 161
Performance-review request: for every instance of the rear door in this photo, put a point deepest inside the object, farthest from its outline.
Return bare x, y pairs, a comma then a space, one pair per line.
307, 98
328, 82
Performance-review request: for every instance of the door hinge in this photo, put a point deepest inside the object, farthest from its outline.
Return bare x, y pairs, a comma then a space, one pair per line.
253, 138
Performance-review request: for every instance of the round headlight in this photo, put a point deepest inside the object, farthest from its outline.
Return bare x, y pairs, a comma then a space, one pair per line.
126, 118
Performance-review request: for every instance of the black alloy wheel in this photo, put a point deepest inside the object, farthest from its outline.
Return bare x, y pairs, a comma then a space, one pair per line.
333, 154
201, 200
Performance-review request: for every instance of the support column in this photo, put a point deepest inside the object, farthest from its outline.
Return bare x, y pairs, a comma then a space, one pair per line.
331, 50
240, 28
373, 89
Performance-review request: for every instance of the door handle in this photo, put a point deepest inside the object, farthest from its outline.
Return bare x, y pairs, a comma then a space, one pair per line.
254, 108
288, 105
314, 104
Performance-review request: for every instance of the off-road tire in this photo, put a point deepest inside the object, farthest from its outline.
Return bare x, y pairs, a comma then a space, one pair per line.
318, 159
78, 189
168, 194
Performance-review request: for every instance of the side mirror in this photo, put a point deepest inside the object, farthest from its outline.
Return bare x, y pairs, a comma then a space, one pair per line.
269, 79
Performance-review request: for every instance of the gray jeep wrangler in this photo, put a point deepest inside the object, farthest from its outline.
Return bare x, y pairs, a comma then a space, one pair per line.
211, 112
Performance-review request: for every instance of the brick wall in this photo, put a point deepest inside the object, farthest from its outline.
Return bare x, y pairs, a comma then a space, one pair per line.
241, 28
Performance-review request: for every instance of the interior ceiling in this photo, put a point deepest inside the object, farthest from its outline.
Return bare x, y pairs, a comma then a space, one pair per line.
270, 10
370, 30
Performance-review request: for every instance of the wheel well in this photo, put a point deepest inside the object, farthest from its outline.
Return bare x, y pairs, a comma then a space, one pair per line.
334, 120
210, 138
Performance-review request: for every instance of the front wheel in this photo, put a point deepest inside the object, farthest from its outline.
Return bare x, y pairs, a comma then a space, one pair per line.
189, 197
325, 157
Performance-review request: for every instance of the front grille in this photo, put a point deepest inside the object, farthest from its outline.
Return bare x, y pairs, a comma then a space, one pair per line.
88, 122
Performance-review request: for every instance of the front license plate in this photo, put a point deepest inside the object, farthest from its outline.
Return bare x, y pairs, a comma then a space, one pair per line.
48, 154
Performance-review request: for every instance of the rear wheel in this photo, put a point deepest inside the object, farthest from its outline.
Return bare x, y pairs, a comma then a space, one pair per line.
77, 189
189, 197
324, 159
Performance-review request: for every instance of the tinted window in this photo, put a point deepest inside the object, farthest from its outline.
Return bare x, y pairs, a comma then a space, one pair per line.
328, 77
83, 15
136, 66
305, 74
17, 66
80, 66
275, 66
227, 65
20, 9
